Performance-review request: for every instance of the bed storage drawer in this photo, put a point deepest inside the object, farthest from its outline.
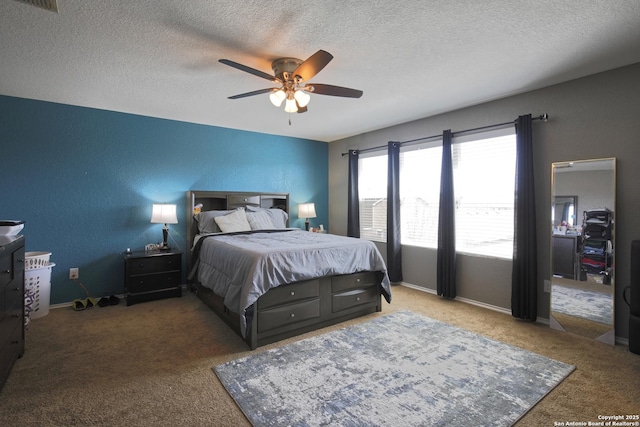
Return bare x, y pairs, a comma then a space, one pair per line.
288, 314
354, 298
353, 281
288, 294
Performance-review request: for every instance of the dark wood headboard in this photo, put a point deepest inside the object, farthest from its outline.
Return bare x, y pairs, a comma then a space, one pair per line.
221, 200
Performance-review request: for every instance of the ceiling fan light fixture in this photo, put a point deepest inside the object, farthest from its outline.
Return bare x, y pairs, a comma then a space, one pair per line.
290, 106
277, 97
302, 97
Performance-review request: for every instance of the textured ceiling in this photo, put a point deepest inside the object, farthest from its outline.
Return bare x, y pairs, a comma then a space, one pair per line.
412, 59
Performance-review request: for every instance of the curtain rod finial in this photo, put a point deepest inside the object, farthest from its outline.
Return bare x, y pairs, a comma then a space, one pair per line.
544, 117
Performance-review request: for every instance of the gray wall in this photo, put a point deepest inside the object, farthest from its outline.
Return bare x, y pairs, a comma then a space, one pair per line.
594, 189
591, 117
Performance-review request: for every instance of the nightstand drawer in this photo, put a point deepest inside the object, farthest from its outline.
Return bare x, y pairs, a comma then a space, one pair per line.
153, 264
153, 282
152, 275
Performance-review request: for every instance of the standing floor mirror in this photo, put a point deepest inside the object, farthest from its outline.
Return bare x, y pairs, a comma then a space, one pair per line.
583, 248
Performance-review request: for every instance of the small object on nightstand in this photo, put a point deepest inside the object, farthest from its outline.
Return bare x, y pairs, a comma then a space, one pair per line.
152, 275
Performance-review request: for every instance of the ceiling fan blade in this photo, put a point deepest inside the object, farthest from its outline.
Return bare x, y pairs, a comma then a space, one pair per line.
345, 92
248, 70
313, 65
255, 92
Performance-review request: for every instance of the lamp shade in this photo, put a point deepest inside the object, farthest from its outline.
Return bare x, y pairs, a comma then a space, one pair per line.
290, 106
302, 97
277, 97
306, 210
164, 214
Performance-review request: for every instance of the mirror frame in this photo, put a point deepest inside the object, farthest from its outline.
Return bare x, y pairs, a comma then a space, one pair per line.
607, 337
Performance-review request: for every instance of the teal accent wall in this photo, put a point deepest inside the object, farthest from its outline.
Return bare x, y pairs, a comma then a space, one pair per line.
84, 180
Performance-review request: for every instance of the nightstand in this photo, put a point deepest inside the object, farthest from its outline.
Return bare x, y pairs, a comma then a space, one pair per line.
152, 275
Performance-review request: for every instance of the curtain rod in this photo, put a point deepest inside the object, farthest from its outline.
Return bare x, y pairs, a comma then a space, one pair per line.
544, 117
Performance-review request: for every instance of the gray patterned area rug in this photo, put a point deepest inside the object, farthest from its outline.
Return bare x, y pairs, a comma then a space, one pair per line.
401, 369
590, 305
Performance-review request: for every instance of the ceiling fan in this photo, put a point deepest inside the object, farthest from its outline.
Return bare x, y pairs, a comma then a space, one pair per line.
292, 76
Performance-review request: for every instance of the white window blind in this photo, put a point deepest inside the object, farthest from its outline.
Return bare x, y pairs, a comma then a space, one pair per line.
484, 183
372, 192
420, 193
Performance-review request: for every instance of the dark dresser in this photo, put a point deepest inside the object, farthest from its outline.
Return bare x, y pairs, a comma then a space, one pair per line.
11, 303
152, 275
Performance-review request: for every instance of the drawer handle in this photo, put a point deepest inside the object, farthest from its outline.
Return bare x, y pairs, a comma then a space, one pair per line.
15, 315
16, 289
292, 293
293, 315
21, 261
358, 280
357, 298
6, 271
141, 265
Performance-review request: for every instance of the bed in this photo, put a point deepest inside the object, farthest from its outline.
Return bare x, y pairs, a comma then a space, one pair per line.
269, 282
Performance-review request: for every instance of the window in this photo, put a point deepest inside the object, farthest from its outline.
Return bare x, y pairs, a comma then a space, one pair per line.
484, 184
372, 191
420, 194
484, 170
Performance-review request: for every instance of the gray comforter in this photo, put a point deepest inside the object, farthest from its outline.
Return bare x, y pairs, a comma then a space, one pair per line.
242, 266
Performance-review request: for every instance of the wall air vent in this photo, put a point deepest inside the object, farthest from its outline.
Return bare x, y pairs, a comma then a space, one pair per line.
51, 5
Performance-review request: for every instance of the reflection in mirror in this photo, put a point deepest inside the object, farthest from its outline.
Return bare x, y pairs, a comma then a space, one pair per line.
582, 248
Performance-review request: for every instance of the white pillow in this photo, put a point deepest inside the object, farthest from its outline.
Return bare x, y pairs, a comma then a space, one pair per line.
235, 221
206, 220
260, 220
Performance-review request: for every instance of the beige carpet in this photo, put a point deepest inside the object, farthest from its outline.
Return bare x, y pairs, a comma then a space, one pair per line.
150, 364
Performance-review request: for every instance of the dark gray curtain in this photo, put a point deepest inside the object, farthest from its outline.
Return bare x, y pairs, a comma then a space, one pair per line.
524, 276
447, 224
394, 251
353, 202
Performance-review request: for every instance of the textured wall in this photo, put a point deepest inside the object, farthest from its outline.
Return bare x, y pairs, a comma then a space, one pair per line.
84, 181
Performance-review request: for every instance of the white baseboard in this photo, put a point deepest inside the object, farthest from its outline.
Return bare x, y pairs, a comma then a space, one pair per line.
461, 299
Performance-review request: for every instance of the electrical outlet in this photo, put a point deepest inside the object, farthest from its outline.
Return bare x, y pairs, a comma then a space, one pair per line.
74, 273
547, 286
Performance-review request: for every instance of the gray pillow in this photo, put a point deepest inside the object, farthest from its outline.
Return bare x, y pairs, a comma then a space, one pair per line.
260, 220
278, 216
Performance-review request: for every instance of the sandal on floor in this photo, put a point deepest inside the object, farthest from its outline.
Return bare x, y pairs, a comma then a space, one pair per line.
104, 301
114, 300
91, 302
78, 304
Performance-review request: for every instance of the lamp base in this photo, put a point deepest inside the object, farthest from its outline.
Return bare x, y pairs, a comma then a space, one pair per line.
306, 225
165, 236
